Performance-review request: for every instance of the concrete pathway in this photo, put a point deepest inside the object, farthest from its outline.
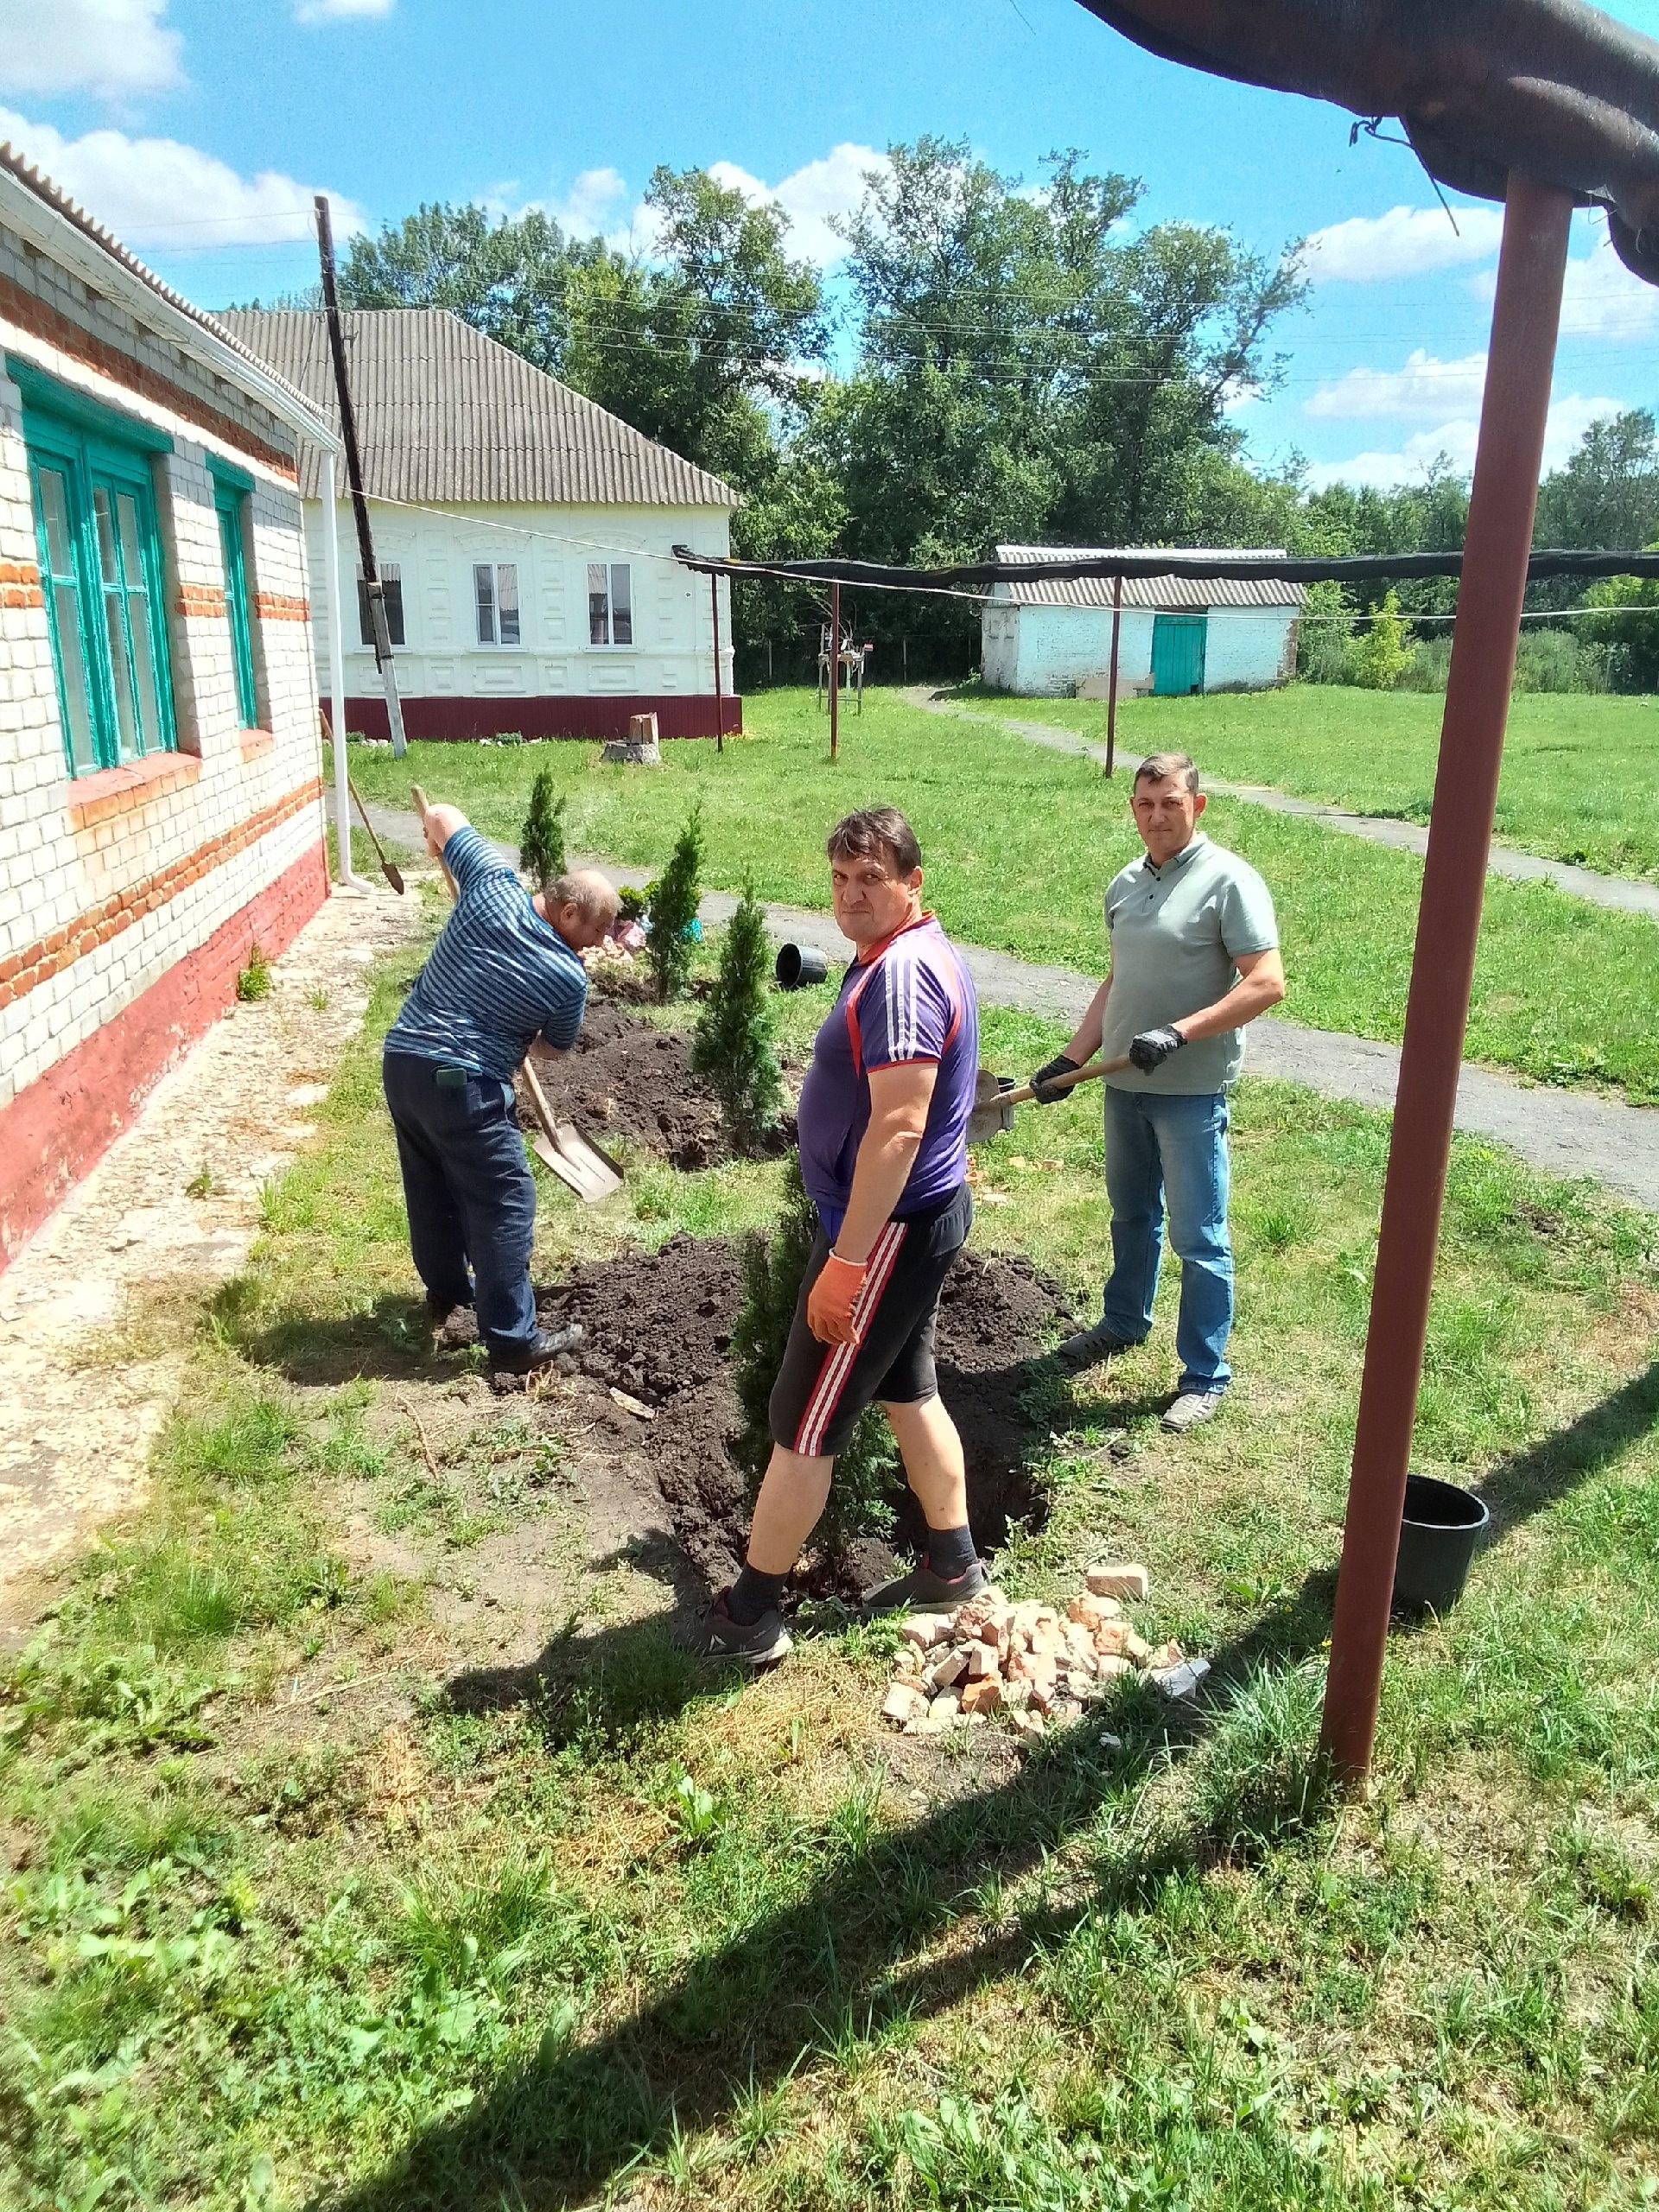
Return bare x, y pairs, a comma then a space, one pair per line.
1560, 1132
170, 1212
1628, 894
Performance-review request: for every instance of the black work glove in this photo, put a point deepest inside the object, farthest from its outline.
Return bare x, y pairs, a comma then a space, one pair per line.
1042, 1082
1153, 1047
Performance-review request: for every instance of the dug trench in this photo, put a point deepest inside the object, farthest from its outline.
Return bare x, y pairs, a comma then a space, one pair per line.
657, 1327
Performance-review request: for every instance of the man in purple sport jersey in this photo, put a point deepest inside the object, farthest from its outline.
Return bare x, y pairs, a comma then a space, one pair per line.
884, 1154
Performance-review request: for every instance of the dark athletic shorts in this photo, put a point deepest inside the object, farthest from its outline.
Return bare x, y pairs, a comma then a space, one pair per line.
821, 1389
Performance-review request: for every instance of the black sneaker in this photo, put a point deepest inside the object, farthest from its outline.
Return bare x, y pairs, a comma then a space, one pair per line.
717, 1636
541, 1351
921, 1590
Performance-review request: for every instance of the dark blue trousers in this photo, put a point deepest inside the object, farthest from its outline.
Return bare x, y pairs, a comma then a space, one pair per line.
469, 1194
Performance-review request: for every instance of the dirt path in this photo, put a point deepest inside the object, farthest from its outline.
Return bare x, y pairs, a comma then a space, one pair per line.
172, 1207
1627, 894
1560, 1132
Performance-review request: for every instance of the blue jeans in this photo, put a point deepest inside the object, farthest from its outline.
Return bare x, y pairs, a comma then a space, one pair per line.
1163, 1151
469, 1194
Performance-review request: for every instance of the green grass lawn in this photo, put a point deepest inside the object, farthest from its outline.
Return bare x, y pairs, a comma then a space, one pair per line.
288, 1925
1019, 844
1581, 778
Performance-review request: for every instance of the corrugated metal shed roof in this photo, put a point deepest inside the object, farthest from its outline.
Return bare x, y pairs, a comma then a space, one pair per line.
445, 414
1167, 595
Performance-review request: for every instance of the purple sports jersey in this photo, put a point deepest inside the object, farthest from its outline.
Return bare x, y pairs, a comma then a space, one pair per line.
909, 999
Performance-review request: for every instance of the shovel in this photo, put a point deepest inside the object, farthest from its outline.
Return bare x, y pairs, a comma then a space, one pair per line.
560, 1146
994, 1097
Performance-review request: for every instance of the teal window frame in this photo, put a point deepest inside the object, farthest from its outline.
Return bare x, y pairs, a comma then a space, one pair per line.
231, 505
104, 571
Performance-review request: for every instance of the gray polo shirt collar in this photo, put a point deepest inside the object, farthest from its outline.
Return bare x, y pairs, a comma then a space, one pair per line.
1176, 860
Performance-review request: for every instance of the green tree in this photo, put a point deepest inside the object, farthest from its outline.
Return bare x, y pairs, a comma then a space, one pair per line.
731, 1045
674, 900
1626, 628
697, 344
541, 849
1379, 658
510, 278
1605, 496
773, 1266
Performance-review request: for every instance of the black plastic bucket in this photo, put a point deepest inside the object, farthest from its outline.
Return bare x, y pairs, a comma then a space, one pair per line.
798, 965
1440, 1533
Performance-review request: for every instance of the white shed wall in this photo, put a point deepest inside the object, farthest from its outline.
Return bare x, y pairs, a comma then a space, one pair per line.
1247, 648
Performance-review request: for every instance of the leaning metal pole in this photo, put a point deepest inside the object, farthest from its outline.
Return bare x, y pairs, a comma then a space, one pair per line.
1507, 463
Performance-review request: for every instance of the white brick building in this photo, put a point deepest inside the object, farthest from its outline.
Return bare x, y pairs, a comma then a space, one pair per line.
160, 803
525, 537
1176, 634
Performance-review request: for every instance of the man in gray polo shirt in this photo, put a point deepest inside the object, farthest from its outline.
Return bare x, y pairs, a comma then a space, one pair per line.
1194, 957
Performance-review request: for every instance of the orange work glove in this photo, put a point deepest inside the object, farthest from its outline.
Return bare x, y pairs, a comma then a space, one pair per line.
829, 1302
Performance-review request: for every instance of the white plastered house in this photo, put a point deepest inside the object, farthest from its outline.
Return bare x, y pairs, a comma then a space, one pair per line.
1052, 637
524, 537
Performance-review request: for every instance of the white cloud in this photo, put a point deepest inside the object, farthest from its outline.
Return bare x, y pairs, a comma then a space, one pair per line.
1406, 242
596, 204
332, 11
1600, 298
1569, 420
810, 195
112, 48
159, 192
1425, 387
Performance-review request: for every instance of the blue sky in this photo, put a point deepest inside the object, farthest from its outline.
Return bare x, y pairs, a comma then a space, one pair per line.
199, 128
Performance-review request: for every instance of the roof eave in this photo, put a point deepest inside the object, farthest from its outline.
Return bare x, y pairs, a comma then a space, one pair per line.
37, 221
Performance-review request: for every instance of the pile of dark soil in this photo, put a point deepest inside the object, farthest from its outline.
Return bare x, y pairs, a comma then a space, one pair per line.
627, 1079
658, 1326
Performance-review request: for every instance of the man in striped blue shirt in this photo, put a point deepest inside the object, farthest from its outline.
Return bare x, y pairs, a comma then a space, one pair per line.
506, 968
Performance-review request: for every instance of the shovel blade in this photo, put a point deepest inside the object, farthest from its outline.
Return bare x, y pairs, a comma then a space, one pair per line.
577, 1163
989, 1117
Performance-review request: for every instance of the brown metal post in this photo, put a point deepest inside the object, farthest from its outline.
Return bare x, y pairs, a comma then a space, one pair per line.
835, 670
1111, 681
1507, 463
720, 699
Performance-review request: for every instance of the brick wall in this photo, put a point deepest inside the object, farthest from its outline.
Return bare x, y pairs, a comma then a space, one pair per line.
108, 884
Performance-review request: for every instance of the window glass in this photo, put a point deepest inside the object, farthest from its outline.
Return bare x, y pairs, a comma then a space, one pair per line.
115, 617
101, 564
68, 643
506, 600
230, 505
599, 604
391, 594
621, 604
484, 591
140, 623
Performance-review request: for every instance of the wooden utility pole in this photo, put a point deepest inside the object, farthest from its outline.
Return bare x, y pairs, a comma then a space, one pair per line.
354, 477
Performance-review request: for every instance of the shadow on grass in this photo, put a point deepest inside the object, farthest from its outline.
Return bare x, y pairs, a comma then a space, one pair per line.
861, 1946
392, 1342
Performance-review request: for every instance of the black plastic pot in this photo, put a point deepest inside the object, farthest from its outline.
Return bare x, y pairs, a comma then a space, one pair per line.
798, 965
1439, 1532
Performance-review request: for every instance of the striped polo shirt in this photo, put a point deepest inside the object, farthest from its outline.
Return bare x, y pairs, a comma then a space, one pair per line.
498, 978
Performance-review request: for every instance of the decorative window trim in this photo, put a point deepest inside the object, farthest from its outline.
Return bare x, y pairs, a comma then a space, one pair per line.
488, 607
610, 642
68, 404
229, 508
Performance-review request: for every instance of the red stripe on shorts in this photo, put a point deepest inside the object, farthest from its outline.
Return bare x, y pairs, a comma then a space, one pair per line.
838, 1361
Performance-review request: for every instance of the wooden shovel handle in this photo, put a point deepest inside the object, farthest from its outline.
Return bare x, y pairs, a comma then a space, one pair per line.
419, 798
1090, 1074
538, 1100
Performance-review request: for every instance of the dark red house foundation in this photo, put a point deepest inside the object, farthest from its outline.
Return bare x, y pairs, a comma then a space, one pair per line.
462, 721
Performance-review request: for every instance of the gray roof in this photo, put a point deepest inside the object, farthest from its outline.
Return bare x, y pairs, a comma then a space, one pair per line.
1170, 595
445, 414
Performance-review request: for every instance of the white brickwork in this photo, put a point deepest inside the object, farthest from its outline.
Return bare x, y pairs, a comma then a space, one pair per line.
57, 867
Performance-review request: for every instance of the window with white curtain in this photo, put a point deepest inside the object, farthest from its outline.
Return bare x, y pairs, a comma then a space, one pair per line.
495, 592
610, 603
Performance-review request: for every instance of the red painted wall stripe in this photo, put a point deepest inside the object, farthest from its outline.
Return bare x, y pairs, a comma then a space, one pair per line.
546, 715
23, 972
58, 1127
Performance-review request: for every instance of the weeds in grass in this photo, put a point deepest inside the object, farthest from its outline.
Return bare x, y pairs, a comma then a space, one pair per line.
254, 981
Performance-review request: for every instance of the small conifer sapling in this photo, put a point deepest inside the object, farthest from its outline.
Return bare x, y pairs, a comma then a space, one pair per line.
541, 850
732, 1046
674, 899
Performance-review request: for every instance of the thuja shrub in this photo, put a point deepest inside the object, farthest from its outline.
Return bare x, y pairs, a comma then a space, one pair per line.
773, 1265
732, 1046
674, 899
541, 845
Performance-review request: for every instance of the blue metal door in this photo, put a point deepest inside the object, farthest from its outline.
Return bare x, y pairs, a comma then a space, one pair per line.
1178, 652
